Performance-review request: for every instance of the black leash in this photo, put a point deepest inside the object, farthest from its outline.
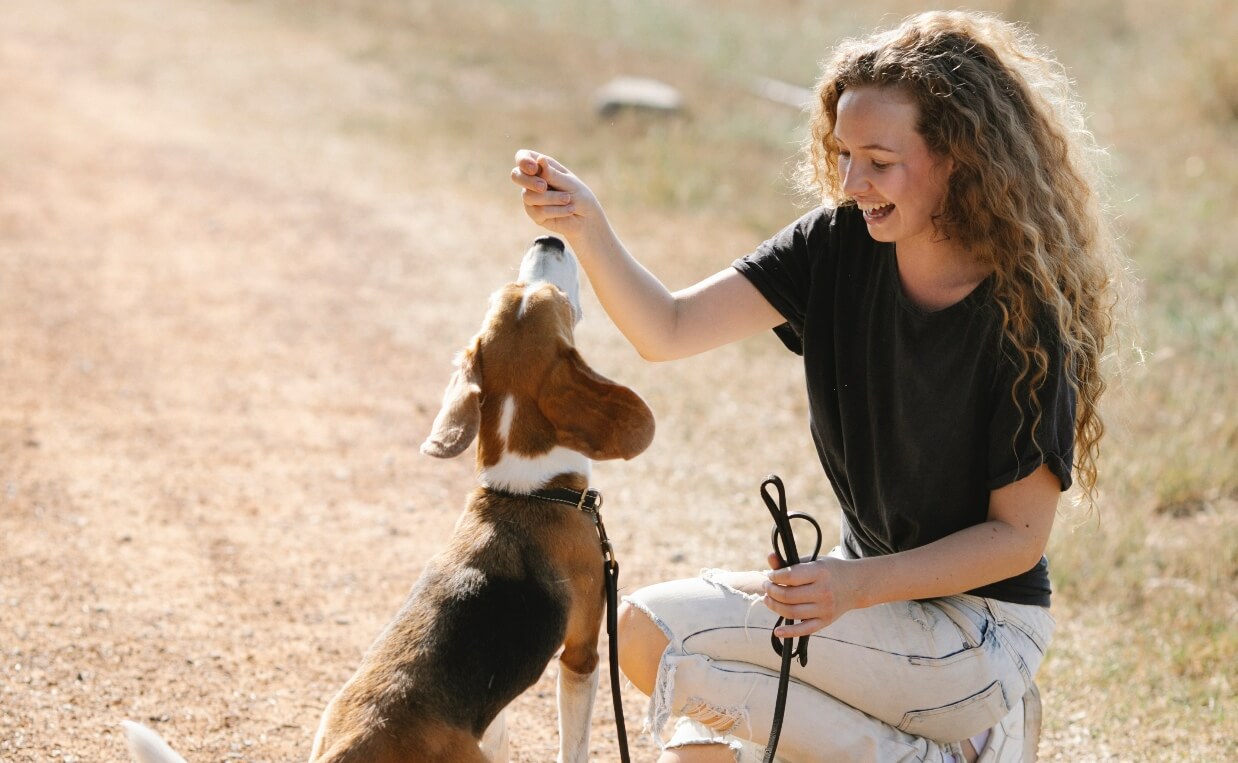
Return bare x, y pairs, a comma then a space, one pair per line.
611, 570
783, 540
590, 502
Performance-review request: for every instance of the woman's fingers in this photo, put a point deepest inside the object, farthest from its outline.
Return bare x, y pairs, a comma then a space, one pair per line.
547, 206
801, 593
536, 173
554, 197
789, 595
531, 164
530, 160
557, 176
815, 593
527, 181
546, 198
800, 628
798, 574
532, 167
809, 617
527, 160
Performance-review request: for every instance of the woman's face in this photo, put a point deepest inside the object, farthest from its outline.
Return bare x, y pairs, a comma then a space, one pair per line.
886, 167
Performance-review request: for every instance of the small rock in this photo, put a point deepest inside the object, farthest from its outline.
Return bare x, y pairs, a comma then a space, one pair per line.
639, 94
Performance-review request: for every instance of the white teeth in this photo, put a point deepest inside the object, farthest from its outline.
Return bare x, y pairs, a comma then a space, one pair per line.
870, 208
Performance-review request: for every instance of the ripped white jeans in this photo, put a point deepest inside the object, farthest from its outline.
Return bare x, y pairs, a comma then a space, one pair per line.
904, 681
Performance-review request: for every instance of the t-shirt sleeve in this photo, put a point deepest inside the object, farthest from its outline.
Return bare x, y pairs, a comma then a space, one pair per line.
1018, 442
781, 269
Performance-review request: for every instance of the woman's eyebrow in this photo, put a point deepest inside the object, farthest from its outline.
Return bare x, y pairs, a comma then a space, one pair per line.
867, 147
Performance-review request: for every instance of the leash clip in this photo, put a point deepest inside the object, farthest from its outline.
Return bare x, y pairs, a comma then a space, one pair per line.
608, 549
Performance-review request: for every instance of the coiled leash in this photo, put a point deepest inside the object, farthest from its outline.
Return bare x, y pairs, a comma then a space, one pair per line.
782, 537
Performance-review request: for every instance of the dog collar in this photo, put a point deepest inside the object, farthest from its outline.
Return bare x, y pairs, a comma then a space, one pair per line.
588, 501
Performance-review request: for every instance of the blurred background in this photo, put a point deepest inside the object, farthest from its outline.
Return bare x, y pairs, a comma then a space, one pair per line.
239, 242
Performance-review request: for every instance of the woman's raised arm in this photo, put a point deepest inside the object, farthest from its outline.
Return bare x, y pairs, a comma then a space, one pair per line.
661, 325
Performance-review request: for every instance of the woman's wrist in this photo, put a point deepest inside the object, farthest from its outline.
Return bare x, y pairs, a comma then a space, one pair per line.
592, 238
864, 581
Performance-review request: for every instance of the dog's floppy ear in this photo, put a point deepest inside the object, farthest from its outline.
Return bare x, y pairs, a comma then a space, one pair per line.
592, 414
458, 420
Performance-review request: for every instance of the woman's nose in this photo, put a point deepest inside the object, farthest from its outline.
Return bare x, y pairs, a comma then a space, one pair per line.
854, 181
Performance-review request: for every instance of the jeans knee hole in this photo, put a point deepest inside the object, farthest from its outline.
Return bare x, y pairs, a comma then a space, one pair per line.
719, 719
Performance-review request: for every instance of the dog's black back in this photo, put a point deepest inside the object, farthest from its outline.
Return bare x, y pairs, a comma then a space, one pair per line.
492, 640
478, 628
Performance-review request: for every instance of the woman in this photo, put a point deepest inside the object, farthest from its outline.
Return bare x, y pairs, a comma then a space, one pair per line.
951, 300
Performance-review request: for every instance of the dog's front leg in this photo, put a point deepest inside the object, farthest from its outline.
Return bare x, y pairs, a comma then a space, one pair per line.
576, 694
578, 664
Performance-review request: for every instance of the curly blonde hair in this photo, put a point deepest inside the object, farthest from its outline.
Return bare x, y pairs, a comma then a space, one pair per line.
1024, 196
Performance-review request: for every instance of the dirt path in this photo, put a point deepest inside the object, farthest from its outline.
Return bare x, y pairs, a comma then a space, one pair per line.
228, 305
217, 358
239, 245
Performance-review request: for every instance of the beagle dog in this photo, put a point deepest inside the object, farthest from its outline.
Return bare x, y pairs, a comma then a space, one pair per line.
522, 575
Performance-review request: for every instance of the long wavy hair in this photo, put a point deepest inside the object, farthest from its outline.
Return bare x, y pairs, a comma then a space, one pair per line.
1025, 195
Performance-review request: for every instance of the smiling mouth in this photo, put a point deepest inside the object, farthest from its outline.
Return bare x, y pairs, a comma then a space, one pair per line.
874, 212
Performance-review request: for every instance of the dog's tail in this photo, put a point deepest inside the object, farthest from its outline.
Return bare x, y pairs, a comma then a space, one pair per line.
147, 746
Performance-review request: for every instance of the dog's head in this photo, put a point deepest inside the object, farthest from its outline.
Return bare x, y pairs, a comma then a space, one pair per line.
521, 389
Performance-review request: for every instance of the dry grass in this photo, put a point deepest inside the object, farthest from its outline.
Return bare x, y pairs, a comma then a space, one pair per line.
377, 135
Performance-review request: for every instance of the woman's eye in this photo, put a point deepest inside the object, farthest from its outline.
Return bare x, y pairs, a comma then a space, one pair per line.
880, 165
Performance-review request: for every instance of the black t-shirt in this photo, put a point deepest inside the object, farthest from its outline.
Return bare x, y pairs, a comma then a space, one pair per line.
913, 413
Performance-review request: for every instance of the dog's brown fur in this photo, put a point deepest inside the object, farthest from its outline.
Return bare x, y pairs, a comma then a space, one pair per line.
520, 577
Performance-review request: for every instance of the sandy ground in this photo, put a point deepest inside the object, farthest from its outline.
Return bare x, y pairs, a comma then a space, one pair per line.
231, 285
217, 359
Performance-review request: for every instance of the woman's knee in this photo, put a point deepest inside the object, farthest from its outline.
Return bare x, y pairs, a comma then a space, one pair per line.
703, 753
641, 644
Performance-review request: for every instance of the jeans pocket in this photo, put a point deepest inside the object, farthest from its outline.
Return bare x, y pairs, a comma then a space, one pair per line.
958, 720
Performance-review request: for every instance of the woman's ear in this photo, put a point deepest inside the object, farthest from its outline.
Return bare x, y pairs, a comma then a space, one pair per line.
459, 418
593, 415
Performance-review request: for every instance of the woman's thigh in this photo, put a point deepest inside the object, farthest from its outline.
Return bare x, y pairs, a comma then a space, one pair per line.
943, 668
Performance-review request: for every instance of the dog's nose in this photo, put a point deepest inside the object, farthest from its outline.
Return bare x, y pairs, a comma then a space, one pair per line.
550, 242
550, 261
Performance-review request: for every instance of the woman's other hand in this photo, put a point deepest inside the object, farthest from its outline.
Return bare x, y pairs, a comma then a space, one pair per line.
553, 196
813, 594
